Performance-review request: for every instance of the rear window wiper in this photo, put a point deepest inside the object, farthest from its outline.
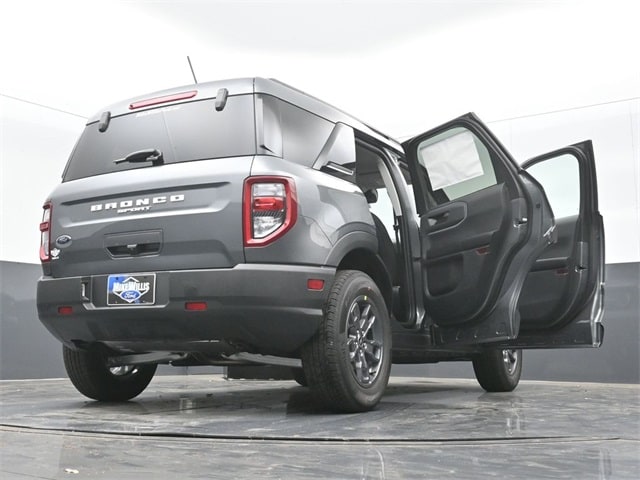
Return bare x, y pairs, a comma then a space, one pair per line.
152, 155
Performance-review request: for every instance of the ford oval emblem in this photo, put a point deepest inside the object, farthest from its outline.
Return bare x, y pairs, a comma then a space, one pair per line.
63, 241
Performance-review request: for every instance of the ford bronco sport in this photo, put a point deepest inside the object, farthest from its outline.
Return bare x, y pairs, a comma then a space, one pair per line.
246, 221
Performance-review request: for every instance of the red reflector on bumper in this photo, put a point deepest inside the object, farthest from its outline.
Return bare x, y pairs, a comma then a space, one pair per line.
195, 306
65, 310
315, 284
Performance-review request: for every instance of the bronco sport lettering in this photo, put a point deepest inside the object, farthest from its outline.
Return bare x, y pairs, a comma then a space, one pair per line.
142, 203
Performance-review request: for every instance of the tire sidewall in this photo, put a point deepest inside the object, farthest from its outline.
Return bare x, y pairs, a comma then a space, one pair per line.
493, 373
357, 285
89, 373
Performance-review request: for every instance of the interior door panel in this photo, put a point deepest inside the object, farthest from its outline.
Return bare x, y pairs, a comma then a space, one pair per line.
459, 259
561, 304
553, 275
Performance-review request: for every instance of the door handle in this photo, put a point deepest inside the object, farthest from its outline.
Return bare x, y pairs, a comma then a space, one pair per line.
435, 219
446, 216
440, 216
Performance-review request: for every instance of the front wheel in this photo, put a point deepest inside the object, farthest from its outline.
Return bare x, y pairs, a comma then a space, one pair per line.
498, 370
89, 373
299, 377
348, 362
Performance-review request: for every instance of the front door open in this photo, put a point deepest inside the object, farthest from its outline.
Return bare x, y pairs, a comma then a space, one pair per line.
561, 304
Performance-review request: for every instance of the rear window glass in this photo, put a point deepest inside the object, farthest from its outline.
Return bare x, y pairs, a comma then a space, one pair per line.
183, 132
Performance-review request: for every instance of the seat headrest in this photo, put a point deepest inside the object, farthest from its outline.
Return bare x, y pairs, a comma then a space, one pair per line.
371, 195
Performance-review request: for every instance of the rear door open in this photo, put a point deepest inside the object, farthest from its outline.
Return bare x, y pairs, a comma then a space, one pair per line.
483, 223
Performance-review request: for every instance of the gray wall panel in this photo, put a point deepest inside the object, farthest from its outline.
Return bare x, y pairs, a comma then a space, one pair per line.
27, 350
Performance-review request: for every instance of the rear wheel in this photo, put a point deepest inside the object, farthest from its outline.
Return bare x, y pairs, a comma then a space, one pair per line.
347, 363
498, 370
88, 371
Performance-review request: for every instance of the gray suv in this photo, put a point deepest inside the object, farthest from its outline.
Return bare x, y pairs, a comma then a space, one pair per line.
244, 221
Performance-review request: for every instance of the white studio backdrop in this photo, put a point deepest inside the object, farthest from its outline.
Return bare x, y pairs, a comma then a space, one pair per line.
543, 74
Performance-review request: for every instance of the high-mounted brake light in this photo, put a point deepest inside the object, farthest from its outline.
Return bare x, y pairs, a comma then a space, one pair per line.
270, 209
45, 233
164, 99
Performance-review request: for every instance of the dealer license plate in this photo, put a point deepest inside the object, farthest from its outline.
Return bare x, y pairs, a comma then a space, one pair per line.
130, 289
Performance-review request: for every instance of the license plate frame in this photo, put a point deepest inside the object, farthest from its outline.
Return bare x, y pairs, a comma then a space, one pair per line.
131, 289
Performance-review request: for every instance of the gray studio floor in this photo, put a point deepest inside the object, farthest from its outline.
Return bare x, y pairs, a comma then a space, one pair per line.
203, 426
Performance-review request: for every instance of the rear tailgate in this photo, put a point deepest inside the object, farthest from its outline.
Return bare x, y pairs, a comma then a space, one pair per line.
178, 216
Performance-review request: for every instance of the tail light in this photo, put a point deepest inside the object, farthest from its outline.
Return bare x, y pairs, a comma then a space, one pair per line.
45, 233
270, 209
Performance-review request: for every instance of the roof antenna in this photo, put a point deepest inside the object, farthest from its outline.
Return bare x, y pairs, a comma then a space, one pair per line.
192, 72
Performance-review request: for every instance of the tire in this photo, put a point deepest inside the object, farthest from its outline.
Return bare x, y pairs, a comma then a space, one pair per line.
347, 363
498, 370
88, 372
300, 377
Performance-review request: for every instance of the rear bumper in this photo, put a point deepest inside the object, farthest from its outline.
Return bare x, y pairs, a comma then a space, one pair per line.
263, 308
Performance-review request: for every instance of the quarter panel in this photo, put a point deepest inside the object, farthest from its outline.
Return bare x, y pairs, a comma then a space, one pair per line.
331, 211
